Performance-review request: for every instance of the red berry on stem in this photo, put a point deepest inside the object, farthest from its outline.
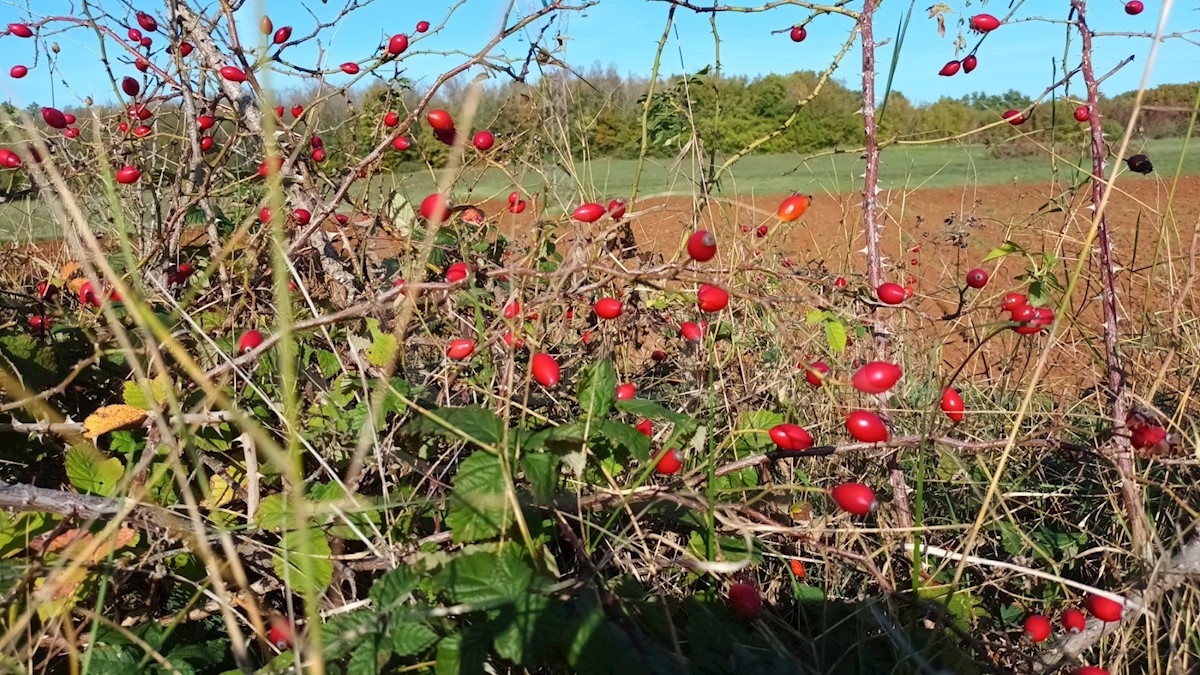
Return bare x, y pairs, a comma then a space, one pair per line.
969, 63
793, 207
1037, 628
9, 159
128, 175
460, 349
1134, 7
798, 34
440, 120
422, 26
702, 246
20, 30
616, 209
147, 22
625, 391
1014, 117
744, 600
984, 23
608, 308
457, 272
1083, 113
866, 427
669, 461
400, 143
204, 122
545, 370
951, 68
977, 278
391, 119
711, 298
349, 68
249, 341
283, 35
233, 74
790, 437
691, 332
1073, 621
484, 140
588, 213
816, 372
854, 498
435, 208
282, 633
1012, 300
890, 294
17, 72
1104, 608
397, 44
54, 118
646, 427
1147, 436
876, 377
952, 405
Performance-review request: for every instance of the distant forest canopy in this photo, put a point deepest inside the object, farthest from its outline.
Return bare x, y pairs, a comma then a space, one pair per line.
598, 113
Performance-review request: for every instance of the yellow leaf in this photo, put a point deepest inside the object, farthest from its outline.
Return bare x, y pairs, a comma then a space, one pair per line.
112, 418
220, 492
69, 270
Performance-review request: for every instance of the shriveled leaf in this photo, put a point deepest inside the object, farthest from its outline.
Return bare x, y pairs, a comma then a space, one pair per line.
111, 418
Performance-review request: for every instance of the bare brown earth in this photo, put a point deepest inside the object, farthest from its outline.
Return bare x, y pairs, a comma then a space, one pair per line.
931, 237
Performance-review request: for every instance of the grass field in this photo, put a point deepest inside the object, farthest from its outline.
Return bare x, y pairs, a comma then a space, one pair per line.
907, 167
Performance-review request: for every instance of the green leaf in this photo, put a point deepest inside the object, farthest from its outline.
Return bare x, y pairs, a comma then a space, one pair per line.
274, 513
650, 409
462, 653
393, 588
1007, 248
597, 389
327, 363
541, 470
530, 629
562, 438
806, 593
625, 436
134, 395
90, 471
751, 434
411, 638
364, 660
470, 422
17, 529
302, 561
485, 578
478, 507
384, 348
835, 336
344, 632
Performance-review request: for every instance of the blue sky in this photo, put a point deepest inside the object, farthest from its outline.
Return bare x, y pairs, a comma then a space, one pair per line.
624, 33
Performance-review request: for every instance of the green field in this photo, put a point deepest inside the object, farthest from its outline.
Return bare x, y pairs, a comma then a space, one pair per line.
903, 167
